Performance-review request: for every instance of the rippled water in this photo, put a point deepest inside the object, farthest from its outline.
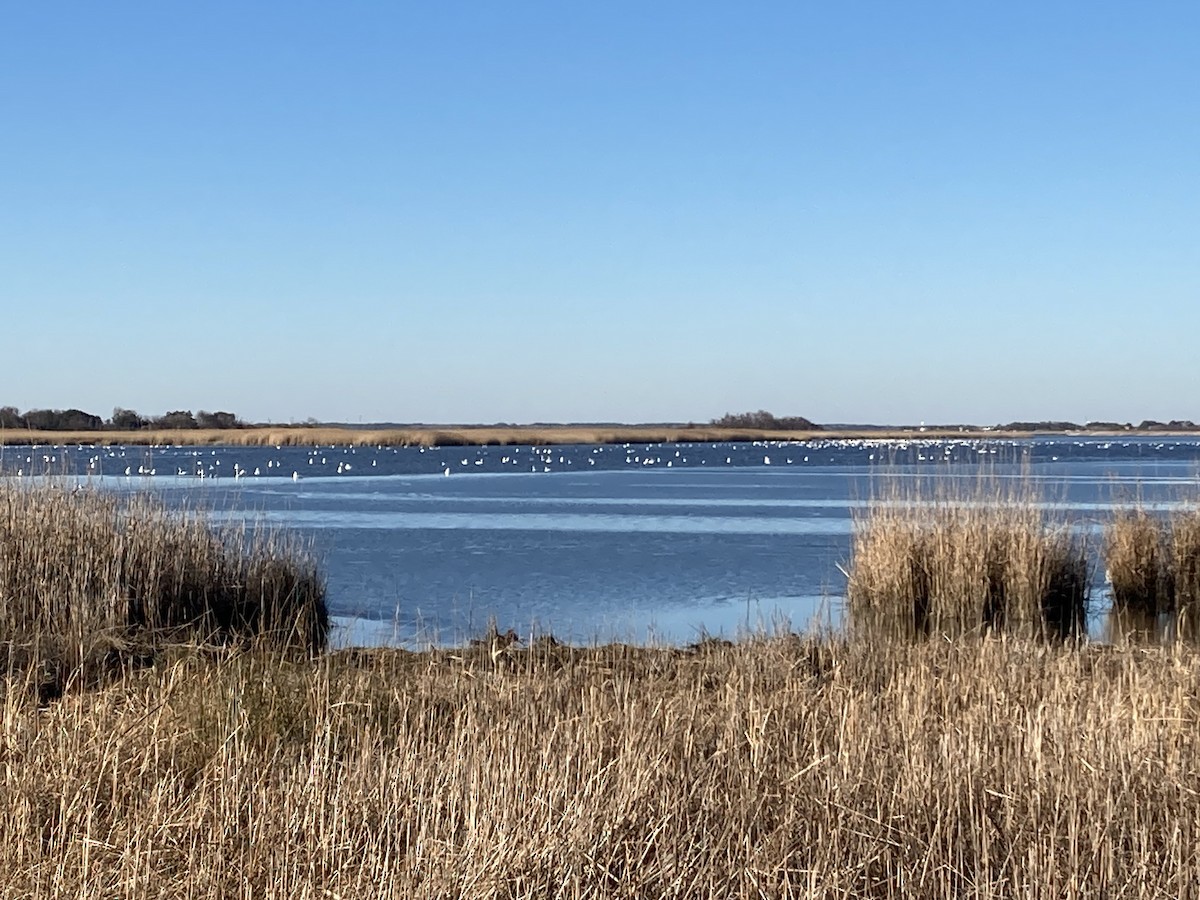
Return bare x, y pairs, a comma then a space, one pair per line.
596, 542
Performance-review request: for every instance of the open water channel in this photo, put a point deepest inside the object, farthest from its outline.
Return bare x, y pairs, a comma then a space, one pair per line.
635, 542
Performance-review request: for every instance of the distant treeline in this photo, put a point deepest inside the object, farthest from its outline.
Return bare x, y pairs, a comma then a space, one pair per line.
121, 420
1146, 425
764, 421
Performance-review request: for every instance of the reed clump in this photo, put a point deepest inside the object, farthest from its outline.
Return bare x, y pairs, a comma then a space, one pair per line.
90, 580
953, 559
1153, 564
1137, 553
1185, 571
779, 767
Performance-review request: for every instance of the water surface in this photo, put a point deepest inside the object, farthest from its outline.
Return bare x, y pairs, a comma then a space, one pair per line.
637, 542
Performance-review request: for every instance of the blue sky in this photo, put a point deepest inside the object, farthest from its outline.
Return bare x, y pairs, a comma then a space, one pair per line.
453, 212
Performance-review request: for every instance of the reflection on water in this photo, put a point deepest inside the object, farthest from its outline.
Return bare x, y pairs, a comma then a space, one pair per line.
1131, 627
592, 543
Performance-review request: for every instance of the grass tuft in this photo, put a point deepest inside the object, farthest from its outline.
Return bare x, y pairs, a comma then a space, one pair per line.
1137, 554
1153, 563
1185, 569
953, 560
90, 581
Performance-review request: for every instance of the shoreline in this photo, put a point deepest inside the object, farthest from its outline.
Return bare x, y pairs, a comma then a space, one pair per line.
478, 435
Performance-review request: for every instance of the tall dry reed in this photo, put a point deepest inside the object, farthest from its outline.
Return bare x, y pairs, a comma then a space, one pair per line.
86, 575
1137, 554
961, 555
1185, 569
1153, 563
776, 768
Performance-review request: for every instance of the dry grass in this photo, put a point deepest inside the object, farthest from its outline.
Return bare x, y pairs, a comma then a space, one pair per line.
772, 768
1137, 554
470, 435
407, 437
1154, 565
1185, 569
89, 580
961, 559
995, 765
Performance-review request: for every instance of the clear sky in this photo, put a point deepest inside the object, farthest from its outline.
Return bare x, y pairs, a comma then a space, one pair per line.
478, 212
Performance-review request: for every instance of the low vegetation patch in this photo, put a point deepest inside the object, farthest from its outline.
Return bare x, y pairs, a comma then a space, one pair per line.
414, 436
36, 420
765, 421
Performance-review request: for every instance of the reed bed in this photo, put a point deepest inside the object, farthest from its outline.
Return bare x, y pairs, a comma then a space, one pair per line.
90, 579
954, 556
1153, 563
998, 764
1137, 556
416, 436
776, 767
1185, 569
470, 435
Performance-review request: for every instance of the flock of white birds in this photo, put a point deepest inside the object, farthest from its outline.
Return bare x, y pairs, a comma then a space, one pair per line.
332, 460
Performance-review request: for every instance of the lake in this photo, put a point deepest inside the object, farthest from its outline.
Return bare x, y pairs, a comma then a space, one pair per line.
663, 542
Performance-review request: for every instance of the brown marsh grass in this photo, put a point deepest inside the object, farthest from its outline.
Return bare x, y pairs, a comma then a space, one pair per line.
1185, 569
994, 765
1137, 553
775, 767
958, 556
90, 578
1153, 563
417, 436
465, 435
